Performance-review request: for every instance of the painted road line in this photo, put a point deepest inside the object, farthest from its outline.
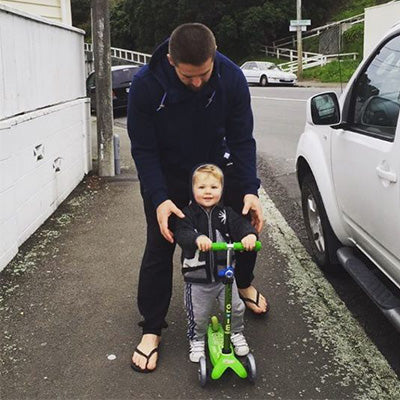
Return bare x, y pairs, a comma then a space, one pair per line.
277, 98
356, 358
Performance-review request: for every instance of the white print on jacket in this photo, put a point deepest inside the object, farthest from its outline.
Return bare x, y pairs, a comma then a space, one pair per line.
222, 216
195, 262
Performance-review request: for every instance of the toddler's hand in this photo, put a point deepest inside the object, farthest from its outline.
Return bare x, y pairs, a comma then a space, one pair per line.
249, 242
203, 243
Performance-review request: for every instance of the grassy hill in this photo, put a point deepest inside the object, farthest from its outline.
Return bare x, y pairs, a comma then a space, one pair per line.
353, 42
335, 71
354, 7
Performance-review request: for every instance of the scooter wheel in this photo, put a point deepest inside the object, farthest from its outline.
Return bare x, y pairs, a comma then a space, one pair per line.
214, 323
202, 371
251, 367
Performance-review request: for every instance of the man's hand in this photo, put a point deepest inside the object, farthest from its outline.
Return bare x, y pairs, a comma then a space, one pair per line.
164, 210
252, 204
203, 243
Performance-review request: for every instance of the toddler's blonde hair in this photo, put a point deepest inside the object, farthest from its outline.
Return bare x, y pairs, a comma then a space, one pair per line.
209, 169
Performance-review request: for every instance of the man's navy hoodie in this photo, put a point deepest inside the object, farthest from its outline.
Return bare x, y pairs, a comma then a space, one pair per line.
173, 129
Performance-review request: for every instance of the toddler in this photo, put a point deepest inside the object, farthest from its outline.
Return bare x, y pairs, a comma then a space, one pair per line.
207, 221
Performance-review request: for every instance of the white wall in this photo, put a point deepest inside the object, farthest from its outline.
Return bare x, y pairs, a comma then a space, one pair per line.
55, 10
43, 63
44, 123
378, 20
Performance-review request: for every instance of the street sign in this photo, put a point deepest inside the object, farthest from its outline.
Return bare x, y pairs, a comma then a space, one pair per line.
300, 22
294, 28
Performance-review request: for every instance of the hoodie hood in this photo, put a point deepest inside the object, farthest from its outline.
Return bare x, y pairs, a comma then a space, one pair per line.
174, 90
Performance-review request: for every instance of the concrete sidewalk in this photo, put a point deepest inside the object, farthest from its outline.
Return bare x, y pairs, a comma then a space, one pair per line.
68, 314
318, 84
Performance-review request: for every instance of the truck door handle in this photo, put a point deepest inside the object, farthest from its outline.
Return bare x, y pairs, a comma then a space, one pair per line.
385, 174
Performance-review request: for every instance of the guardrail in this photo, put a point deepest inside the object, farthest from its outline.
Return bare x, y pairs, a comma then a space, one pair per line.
316, 60
291, 40
279, 52
128, 55
309, 62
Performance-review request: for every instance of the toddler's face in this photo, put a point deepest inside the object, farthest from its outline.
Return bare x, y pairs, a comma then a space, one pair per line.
207, 190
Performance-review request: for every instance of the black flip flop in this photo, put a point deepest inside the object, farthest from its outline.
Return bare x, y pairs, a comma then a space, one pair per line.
147, 357
248, 300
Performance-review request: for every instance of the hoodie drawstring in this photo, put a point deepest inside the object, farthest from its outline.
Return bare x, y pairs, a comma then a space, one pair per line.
210, 99
162, 105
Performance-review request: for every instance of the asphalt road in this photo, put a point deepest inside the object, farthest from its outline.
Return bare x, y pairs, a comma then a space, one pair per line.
279, 117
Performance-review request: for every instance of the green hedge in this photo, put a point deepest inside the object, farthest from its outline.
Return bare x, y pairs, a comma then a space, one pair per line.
353, 40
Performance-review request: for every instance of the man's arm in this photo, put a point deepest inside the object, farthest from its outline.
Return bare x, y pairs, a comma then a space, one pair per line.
144, 144
252, 204
146, 154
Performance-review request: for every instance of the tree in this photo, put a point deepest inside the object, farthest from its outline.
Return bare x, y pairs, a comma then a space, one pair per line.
80, 10
227, 34
241, 27
120, 23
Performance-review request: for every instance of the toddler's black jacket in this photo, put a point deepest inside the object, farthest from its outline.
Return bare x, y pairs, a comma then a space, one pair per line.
220, 224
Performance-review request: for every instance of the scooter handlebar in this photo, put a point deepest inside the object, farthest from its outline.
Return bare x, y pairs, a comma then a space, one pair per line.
237, 246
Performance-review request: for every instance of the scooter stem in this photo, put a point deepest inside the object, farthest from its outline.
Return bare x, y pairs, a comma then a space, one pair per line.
228, 304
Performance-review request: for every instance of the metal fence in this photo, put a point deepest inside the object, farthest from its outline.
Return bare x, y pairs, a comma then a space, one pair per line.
123, 54
291, 40
316, 60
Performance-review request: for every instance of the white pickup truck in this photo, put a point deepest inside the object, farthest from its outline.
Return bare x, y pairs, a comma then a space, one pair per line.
348, 169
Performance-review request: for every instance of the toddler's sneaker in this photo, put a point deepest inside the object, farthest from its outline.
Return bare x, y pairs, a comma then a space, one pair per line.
197, 350
239, 343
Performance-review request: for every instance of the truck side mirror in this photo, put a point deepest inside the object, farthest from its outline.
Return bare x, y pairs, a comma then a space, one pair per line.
323, 109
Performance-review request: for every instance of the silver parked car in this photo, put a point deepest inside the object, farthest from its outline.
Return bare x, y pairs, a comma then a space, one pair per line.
264, 73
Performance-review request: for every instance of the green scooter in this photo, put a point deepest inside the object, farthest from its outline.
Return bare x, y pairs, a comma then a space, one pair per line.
220, 349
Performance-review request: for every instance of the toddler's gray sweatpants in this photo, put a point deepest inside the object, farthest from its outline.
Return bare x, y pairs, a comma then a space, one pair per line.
200, 300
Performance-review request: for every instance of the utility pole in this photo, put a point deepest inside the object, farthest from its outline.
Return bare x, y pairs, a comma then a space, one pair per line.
102, 67
299, 43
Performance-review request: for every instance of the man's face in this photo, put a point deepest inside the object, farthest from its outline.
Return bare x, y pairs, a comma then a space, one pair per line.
193, 76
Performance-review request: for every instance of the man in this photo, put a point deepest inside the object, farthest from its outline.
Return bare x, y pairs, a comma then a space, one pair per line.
190, 105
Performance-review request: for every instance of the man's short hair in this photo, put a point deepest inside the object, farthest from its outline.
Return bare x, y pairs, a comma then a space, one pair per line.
192, 43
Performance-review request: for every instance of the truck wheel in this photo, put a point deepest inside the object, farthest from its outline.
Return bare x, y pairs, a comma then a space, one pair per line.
324, 242
263, 81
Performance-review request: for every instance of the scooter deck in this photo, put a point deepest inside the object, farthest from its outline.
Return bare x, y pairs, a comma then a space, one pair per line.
219, 360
